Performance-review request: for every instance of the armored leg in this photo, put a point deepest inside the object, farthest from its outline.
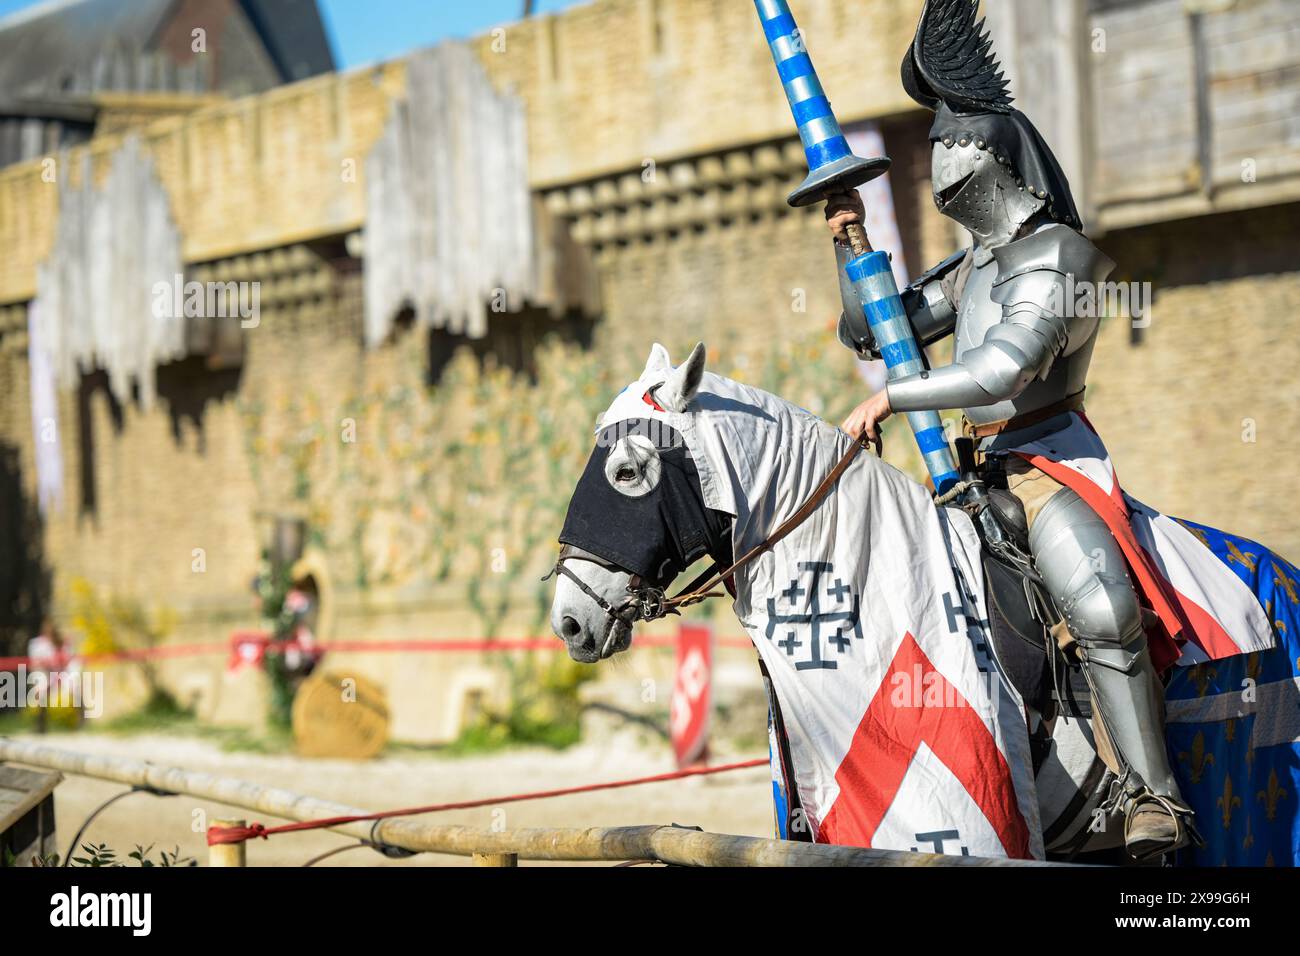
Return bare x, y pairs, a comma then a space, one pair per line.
1086, 573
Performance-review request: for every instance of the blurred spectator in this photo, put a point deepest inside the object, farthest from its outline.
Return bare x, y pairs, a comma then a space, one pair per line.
48, 658
301, 649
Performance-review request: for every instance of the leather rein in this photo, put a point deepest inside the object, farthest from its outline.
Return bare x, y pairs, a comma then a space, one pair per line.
645, 602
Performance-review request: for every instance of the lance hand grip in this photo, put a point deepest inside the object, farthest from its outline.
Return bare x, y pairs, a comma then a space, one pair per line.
858, 240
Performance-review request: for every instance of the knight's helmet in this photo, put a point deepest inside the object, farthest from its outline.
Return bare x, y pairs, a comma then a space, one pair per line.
993, 171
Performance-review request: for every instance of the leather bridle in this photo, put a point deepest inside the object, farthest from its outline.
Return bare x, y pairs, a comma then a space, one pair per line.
645, 602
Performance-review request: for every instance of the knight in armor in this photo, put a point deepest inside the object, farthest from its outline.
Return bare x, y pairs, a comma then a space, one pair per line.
1020, 362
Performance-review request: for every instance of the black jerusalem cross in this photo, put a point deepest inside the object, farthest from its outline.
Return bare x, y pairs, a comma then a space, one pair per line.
975, 629
937, 839
815, 617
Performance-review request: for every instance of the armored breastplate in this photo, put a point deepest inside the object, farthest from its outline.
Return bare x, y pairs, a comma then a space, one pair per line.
1037, 266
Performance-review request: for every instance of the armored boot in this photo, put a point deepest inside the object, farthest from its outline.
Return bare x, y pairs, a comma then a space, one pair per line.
1085, 571
1129, 703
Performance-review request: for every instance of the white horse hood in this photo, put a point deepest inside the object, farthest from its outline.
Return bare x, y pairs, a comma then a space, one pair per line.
870, 620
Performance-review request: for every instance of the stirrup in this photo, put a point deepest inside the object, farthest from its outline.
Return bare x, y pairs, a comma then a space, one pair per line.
1185, 832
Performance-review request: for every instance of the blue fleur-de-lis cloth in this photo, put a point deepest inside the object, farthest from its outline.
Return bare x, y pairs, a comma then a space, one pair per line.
1233, 725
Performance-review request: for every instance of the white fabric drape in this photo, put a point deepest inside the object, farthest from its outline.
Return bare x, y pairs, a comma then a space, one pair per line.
449, 224
870, 619
45, 417
96, 291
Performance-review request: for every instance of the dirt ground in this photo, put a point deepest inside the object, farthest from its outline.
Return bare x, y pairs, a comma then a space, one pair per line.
736, 802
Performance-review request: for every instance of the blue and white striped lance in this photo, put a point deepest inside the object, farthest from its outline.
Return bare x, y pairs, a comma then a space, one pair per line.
832, 166
823, 140
873, 280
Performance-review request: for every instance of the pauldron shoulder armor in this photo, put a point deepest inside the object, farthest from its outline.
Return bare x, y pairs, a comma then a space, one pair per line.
1041, 276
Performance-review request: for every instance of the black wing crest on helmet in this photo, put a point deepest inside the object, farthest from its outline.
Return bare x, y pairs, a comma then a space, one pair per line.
951, 62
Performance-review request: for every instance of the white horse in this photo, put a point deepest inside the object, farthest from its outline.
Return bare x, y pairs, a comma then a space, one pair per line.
689, 462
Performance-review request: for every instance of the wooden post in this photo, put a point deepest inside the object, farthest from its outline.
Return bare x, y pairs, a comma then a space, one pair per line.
496, 859
228, 854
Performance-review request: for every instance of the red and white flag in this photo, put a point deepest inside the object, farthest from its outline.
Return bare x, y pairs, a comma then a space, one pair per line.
688, 713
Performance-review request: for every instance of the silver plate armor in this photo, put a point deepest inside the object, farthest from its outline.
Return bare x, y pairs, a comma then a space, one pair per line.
1019, 346
1085, 571
973, 187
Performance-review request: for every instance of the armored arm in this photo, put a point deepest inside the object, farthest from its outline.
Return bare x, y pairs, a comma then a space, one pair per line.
930, 303
1012, 355
1035, 278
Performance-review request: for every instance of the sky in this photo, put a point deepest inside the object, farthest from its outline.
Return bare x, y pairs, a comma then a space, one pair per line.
367, 31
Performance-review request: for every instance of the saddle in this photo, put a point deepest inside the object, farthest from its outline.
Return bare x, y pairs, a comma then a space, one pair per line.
1021, 612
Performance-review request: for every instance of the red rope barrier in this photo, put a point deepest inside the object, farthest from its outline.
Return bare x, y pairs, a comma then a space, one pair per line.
220, 835
148, 653
417, 646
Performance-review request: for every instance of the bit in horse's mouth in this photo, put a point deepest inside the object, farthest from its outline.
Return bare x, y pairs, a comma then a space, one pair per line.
614, 640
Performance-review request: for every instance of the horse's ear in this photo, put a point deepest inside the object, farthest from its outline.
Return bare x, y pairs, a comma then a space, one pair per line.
658, 360
683, 382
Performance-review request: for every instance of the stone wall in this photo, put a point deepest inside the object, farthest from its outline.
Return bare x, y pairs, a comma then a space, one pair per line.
608, 84
1199, 410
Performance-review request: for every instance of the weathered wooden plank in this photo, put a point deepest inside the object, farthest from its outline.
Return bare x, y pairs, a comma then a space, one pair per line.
1253, 101
1276, 49
21, 790
114, 242
1145, 127
1256, 18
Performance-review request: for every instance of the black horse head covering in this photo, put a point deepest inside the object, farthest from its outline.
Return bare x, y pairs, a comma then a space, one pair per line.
951, 69
657, 535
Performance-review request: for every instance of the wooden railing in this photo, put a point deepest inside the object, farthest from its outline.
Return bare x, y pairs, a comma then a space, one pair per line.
653, 843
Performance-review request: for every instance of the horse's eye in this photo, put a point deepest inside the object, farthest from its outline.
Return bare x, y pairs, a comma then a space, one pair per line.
632, 469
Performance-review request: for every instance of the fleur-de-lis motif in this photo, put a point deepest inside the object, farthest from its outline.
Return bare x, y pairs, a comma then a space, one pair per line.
1271, 797
1244, 558
1253, 666
1228, 802
1278, 625
1203, 674
1198, 533
1287, 583
1197, 759
1249, 841
1230, 729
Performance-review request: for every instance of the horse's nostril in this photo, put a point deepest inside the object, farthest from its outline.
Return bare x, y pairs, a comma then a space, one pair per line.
569, 628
